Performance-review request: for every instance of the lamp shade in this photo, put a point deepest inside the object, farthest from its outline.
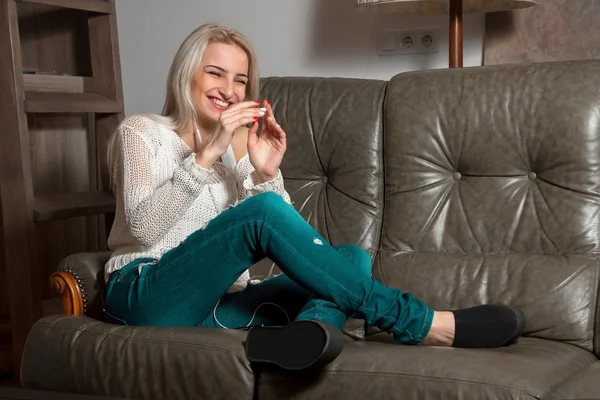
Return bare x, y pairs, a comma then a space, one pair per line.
434, 7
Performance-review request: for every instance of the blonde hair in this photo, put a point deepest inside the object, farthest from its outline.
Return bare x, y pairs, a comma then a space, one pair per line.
179, 108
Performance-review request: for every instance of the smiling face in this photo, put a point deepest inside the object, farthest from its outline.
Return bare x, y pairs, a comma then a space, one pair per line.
220, 82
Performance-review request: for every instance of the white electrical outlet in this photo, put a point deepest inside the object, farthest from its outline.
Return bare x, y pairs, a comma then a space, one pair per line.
407, 42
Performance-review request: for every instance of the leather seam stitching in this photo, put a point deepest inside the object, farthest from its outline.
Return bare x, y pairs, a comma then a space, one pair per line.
128, 338
409, 377
596, 336
591, 256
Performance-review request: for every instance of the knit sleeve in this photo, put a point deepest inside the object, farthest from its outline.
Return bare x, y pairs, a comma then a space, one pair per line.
252, 187
152, 207
249, 186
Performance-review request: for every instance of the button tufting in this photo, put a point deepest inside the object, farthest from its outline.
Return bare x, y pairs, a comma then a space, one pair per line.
532, 176
456, 176
324, 179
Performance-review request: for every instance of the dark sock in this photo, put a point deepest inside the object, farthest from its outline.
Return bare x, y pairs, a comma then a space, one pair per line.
487, 326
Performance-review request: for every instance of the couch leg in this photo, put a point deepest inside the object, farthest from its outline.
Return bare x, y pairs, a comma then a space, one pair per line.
65, 284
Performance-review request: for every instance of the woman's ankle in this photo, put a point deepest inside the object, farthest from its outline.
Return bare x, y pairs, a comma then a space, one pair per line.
442, 330
484, 326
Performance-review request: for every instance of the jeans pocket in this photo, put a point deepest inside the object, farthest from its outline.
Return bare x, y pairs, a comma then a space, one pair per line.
129, 273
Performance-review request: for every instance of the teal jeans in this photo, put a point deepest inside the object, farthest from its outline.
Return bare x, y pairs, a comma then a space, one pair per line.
187, 285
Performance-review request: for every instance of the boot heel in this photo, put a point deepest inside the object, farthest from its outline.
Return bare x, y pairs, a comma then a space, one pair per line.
297, 346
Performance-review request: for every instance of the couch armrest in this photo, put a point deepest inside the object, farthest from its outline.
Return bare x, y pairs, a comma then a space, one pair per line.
80, 281
65, 284
82, 355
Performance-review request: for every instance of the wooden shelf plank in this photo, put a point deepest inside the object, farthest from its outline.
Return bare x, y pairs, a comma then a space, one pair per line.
69, 205
53, 102
53, 83
98, 6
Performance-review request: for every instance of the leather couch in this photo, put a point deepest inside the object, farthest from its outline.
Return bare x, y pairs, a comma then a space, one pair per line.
467, 186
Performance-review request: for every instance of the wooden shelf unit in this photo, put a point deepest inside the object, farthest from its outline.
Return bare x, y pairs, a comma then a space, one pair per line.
69, 205
54, 83
48, 102
61, 78
97, 6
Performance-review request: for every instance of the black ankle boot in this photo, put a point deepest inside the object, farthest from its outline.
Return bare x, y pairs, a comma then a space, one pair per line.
487, 326
299, 345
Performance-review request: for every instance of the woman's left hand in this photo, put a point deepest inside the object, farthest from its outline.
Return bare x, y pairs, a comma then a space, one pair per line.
266, 151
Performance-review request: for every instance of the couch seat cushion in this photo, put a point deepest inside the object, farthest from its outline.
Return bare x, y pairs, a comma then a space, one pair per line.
380, 369
83, 355
585, 384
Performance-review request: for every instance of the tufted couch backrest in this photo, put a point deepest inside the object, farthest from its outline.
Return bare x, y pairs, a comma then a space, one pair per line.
492, 192
333, 167
466, 186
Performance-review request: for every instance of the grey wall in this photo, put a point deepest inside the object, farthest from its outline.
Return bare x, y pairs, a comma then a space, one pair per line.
290, 37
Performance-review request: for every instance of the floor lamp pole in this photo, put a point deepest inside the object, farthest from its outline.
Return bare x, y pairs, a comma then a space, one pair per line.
456, 34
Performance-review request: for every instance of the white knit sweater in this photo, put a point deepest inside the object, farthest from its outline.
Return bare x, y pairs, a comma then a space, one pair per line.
163, 195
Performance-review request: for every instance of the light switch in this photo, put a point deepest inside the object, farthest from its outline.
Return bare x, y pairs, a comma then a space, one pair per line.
386, 42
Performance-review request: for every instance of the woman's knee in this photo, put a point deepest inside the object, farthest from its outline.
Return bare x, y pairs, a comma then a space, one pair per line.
266, 202
358, 257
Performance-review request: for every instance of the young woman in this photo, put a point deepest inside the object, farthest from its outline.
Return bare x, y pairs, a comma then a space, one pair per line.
200, 198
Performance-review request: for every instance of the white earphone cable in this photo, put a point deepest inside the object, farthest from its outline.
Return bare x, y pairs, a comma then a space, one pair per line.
253, 315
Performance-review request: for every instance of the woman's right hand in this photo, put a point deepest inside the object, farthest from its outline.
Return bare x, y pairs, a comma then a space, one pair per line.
237, 115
